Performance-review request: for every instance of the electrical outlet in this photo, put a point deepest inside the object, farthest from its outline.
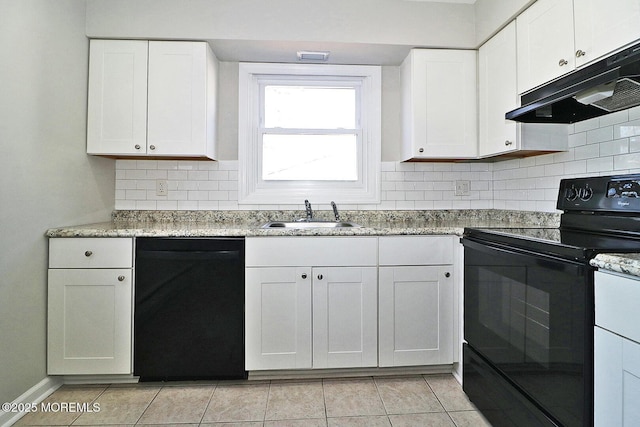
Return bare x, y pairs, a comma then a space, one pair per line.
462, 188
161, 187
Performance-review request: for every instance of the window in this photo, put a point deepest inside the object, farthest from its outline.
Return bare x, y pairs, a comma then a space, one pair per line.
309, 132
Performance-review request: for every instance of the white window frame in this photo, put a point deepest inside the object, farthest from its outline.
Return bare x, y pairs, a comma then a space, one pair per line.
253, 190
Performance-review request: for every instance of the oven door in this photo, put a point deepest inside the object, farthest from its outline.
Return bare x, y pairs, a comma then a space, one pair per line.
530, 317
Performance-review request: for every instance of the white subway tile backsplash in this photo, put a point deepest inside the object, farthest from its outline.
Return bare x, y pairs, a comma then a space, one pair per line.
627, 161
600, 135
617, 146
606, 145
614, 118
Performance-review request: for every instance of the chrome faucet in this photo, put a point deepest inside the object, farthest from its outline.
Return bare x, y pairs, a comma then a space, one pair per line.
307, 207
335, 211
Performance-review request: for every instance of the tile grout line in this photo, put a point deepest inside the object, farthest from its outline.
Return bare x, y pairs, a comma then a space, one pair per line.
215, 387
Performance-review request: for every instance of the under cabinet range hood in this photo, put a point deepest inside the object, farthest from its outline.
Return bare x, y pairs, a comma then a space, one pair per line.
611, 84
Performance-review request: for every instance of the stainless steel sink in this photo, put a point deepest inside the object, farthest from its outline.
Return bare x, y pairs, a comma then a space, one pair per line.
310, 224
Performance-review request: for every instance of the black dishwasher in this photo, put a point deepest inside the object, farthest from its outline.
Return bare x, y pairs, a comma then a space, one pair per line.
189, 309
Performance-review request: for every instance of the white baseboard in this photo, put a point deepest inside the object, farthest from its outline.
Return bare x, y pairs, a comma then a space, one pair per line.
35, 394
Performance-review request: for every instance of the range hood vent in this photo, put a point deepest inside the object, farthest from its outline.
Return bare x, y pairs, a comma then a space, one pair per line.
626, 94
611, 84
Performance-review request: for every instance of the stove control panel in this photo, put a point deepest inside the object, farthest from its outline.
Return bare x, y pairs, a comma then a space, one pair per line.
619, 193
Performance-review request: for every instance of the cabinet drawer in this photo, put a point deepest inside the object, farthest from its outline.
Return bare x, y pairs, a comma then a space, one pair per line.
416, 250
90, 253
617, 304
311, 251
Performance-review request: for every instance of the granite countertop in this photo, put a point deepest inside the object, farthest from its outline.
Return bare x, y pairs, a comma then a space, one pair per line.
620, 263
248, 223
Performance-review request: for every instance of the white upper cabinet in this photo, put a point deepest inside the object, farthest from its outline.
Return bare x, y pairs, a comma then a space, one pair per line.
498, 94
602, 26
545, 42
439, 104
556, 36
181, 111
152, 98
117, 108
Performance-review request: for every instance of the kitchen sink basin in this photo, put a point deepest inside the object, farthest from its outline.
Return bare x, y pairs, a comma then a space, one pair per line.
310, 224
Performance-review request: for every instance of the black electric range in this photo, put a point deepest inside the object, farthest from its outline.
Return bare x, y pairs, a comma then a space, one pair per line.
529, 305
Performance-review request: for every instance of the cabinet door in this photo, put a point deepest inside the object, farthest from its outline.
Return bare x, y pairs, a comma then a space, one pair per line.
602, 26
545, 42
416, 315
177, 110
498, 93
89, 321
344, 317
439, 104
117, 99
278, 318
616, 380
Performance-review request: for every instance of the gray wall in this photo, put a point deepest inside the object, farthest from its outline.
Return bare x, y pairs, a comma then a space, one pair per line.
354, 21
492, 15
47, 179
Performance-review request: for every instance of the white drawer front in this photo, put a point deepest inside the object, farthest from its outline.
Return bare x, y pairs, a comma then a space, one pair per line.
617, 300
416, 250
311, 251
91, 252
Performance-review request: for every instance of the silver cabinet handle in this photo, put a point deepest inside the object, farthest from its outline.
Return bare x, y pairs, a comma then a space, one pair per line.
320, 276
137, 146
507, 143
421, 150
121, 278
580, 53
563, 62
304, 275
88, 253
152, 147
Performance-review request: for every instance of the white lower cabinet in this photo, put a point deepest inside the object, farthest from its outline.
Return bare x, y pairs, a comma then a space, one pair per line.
311, 302
89, 309
344, 317
617, 351
278, 318
416, 301
291, 310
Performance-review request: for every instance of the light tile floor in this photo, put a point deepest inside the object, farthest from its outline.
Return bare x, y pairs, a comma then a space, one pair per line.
419, 400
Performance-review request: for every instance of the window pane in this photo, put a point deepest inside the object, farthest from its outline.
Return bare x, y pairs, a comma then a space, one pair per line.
310, 107
309, 157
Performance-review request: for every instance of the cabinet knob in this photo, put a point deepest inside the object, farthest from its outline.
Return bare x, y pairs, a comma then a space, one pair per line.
507, 143
137, 146
420, 150
88, 253
447, 274
152, 147
304, 275
320, 276
563, 62
121, 278
580, 53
